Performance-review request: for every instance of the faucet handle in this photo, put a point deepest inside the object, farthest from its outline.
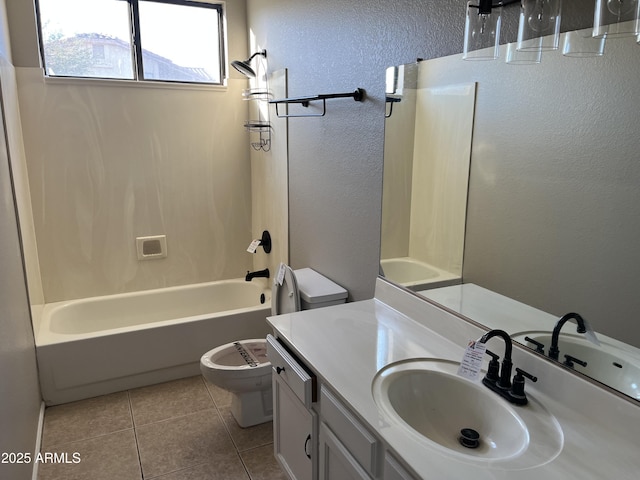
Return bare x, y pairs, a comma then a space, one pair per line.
522, 373
539, 346
569, 361
492, 355
517, 390
493, 371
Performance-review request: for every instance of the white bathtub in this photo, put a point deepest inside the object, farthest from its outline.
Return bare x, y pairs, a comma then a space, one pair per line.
417, 275
100, 345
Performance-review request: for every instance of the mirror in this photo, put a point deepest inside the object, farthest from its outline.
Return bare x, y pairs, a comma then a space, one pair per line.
553, 217
428, 134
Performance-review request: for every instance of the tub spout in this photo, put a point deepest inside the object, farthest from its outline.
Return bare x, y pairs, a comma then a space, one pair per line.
257, 274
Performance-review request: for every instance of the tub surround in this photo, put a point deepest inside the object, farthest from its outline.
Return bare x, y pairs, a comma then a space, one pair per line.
599, 427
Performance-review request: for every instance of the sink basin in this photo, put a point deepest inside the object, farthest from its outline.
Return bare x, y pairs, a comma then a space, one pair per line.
431, 402
605, 363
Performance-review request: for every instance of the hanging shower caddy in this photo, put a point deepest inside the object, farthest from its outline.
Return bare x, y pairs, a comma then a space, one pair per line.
260, 126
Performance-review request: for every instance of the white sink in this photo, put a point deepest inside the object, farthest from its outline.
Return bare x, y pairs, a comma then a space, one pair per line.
428, 399
605, 363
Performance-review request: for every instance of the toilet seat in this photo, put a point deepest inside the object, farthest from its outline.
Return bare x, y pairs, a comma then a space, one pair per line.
240, 359
285, 298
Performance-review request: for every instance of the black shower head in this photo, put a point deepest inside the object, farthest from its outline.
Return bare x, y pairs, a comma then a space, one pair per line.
244, 67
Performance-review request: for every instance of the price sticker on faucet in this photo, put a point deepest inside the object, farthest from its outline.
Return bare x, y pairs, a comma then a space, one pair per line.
253, 246
471, 362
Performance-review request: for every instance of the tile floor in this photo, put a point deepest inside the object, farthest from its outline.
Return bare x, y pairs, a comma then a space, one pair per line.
180, 430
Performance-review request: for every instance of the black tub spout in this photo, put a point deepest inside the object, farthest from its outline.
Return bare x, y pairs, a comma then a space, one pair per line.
257, 274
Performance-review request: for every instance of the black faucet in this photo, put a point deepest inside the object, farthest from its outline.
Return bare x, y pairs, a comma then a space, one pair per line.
257, 274
504, 380
554, 352
499, 380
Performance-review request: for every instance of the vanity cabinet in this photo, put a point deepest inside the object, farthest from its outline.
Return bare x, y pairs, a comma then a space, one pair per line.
344, 433
295, 431
321, 438
393, 470
336, 462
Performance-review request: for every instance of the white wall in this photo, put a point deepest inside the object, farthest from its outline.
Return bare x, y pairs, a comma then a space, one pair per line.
109, 163
19, 393
442, 152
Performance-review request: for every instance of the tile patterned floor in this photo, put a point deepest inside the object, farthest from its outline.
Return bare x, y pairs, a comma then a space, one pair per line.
180, 430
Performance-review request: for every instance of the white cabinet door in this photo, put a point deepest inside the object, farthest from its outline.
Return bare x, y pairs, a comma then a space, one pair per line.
336, 463
294, 432
393, 470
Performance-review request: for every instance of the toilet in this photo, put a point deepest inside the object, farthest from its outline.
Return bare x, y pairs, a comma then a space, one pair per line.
242, 367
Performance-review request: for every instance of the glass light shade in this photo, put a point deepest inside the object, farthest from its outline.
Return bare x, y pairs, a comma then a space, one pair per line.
580, 43
482, 34
522, 57
616, 18
539, 18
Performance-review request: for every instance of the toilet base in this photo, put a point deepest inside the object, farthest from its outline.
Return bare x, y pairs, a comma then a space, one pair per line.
252, 408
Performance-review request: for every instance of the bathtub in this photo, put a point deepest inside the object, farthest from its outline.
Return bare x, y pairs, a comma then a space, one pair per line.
100, 345
417, 275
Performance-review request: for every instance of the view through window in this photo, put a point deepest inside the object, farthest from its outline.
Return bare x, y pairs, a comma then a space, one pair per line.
159, 40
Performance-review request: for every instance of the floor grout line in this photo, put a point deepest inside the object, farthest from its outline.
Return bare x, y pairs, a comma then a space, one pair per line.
215, 410
59, 445
135, 435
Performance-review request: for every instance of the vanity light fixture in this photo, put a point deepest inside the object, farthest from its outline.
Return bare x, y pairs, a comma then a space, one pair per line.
482, 31
616, 18
539, 18
522, 57
580, 43
538, 29
244, 67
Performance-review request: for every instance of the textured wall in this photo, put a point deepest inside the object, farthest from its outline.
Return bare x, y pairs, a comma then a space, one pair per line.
553, 217
20, 405
335, 162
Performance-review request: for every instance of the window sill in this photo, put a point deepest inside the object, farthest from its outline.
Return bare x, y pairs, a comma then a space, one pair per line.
106, 82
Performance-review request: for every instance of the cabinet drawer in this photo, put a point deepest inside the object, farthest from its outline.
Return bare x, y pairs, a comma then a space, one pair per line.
359, 441
301, 381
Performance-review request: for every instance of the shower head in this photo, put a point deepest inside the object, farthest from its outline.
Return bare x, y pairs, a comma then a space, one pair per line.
244, 67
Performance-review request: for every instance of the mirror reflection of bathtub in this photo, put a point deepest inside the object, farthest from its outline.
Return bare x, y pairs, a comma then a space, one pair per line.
416, 275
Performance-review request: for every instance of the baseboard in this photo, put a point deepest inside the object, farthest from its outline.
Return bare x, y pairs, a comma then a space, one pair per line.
34, 473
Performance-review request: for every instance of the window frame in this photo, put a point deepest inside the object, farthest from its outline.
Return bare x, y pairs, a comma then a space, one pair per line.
136, 45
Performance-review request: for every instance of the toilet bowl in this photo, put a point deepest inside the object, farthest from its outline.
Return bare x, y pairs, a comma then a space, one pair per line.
242, 367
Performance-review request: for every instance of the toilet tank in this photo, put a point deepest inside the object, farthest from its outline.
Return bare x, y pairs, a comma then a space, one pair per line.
317, 291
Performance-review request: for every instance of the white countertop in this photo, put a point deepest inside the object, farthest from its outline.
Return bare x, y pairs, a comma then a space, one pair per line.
346, 345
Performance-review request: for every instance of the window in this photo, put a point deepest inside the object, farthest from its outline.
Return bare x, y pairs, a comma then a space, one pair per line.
157, 40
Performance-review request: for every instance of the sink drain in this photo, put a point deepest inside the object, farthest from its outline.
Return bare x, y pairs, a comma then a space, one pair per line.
469, 438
